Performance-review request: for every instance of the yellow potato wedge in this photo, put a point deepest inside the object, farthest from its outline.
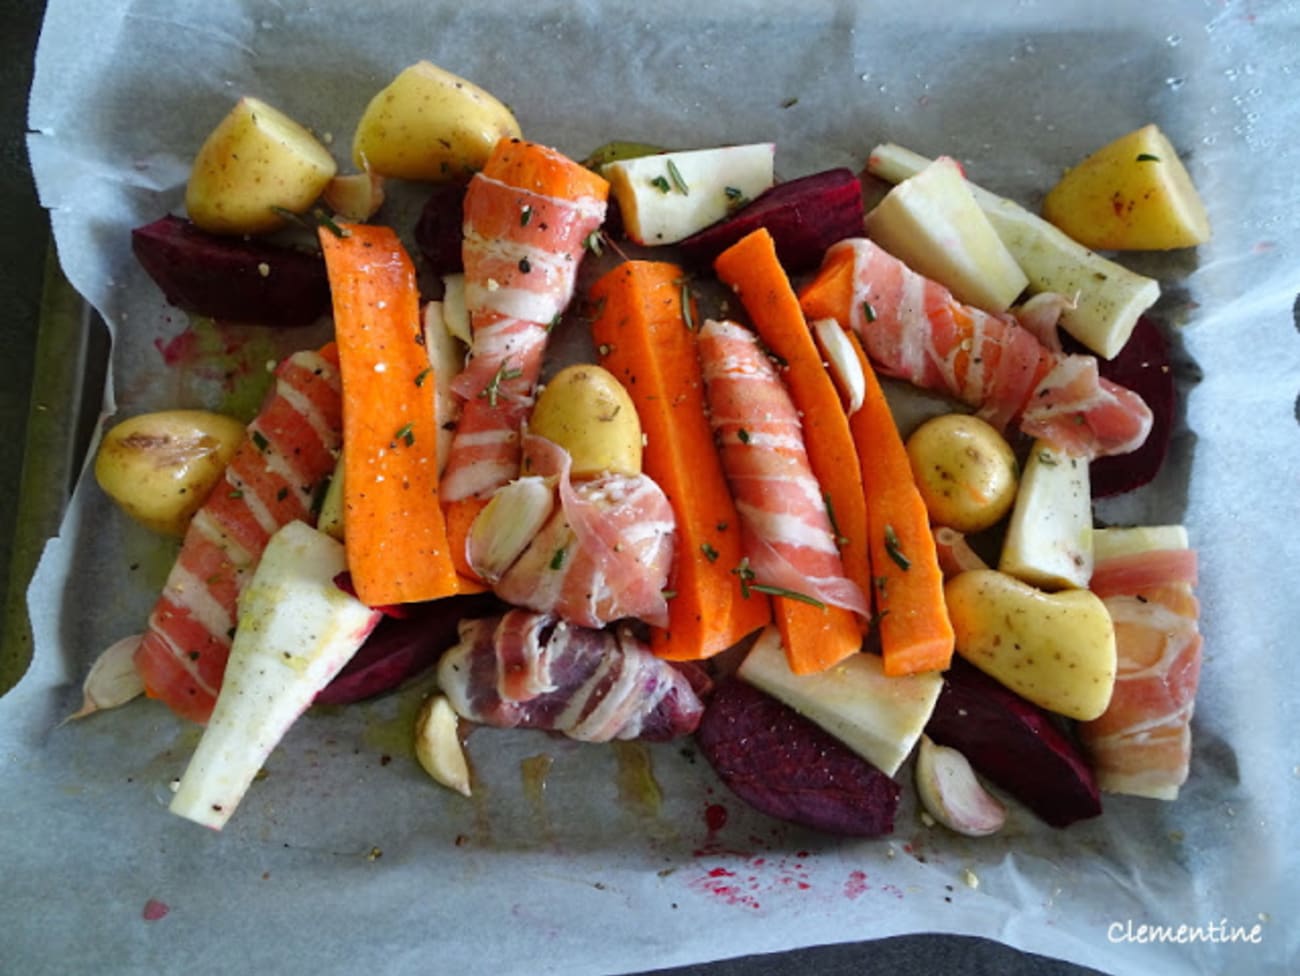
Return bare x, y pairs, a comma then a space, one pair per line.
1131, 195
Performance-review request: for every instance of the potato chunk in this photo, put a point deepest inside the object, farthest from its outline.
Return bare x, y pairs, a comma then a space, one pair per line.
1131, 195
256, 161
160, 467
430, 125
586, 410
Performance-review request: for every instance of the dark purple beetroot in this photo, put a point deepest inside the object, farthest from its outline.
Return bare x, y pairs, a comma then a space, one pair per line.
785, 766
440, 229
232, 279
1015, 744
804, 216
399, 648
1142, 366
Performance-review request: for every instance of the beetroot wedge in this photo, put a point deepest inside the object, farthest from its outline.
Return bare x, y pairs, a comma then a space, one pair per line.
804, 216
232, 279
1143, 367
1015, 744
438, 232
786, 767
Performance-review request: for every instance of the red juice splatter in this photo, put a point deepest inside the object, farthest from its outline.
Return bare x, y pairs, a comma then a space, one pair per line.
715, 817
154, 910
856, 884
179, 350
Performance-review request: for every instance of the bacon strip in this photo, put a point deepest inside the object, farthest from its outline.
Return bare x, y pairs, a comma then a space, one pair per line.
1142, 743
530, 670
788, 537
606, 552
522, 247
272, 480
914, 329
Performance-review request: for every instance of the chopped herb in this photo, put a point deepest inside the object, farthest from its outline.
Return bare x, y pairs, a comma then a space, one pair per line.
405, 433
895, 550
282, 494
868, 312
721, 526
525, 215
525, 266
710, 553
668, 594
423, 375
1045, 457
556, 319
790, 103
734, 193
1147, 158
259, 440
326, 221
236, 494
557, 560
687, 317
593, 243
318, 496
675, 175
747, 584
493, 390
882, 584
840, 538
661, 184
742, 435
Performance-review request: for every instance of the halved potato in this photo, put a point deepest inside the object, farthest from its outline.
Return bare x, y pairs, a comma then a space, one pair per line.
431, 125
1131, 195
255, 162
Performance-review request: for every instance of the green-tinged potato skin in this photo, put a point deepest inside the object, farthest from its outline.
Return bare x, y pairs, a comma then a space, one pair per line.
1055, 649
430, 125
965, 471
257, 161
160, 467
586, 410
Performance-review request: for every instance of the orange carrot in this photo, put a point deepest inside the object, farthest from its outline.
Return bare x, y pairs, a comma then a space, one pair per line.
915, 633
459, 517
396, 540
753, 270
644, 339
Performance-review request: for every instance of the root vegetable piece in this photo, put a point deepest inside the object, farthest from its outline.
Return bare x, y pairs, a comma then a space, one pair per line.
804, 216
230, 278
438, 231
400, 648
785, 766
1015, 744
1142, 366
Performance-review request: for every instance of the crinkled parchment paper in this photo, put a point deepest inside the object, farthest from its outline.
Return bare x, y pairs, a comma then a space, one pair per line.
341, 859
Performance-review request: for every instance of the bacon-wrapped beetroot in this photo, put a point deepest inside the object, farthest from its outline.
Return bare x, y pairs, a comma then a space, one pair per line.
532, 670
913, 329
782, 764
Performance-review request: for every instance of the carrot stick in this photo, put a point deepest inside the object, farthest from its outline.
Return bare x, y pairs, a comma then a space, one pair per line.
915, 633
752, 269
396, 540
643, 338
459, 517
830, 294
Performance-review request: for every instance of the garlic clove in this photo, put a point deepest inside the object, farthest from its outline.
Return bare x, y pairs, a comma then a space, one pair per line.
507, 524
951, 793
437, 745
113, 679
843, 360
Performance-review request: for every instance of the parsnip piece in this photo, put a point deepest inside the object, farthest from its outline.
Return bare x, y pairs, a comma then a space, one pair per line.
932, 224
669, 196
1049, 538
878, 717
1131, 540
1109, 298
296, 631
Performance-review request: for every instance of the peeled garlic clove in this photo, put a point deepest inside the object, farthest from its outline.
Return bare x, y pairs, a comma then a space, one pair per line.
502, 531
437, 744
113, 679
951, 793
845, 366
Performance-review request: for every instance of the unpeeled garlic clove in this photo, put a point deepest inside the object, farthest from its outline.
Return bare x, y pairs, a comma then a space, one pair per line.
507, 524
437, 744
113, 679
952, 794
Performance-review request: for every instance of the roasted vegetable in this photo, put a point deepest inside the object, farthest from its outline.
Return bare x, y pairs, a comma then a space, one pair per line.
429, 124
1015, 744
160, 467
256, 164
785, 766
805, 216
231, 279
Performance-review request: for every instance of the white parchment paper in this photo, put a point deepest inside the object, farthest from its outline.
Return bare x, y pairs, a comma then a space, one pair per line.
345, 857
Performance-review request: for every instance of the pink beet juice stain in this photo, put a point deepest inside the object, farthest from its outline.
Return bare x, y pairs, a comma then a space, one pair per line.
154, 910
